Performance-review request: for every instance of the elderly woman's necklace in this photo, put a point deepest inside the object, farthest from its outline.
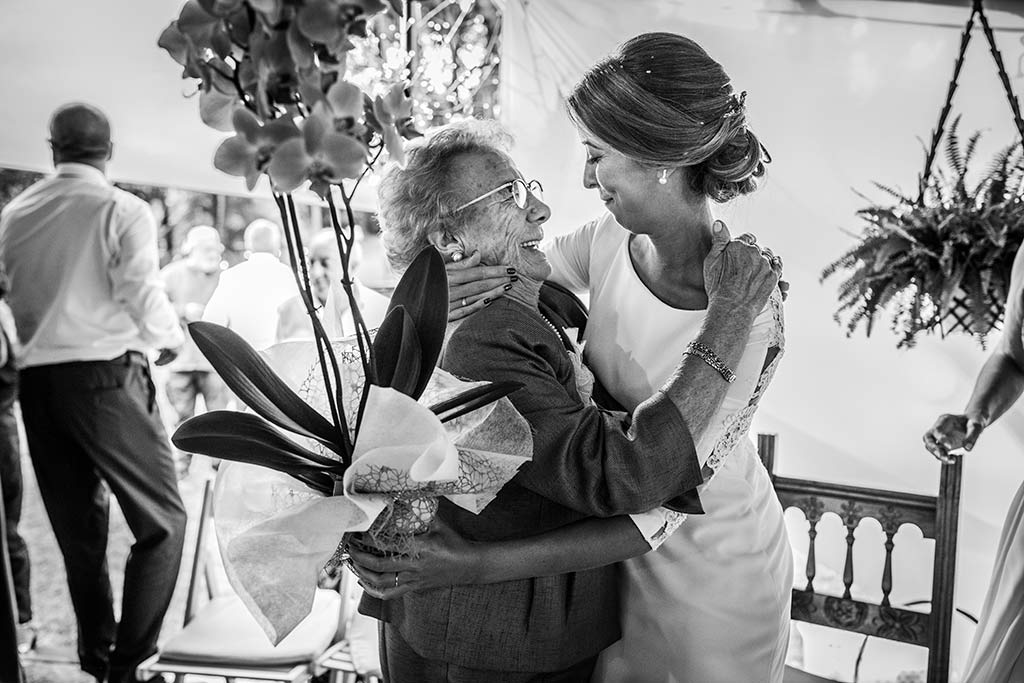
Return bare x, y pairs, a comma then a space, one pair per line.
561, 335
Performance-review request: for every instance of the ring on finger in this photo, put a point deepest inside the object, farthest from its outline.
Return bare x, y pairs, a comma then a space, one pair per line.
463, 305
396, 579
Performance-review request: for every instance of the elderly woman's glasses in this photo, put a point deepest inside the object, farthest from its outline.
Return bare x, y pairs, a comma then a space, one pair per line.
521, 191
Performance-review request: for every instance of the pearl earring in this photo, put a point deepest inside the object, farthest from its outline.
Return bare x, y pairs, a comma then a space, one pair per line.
663, 177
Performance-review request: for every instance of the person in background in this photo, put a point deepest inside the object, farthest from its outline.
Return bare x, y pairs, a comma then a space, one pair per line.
997, 653
88, 302
325, 274
10, 472
190, 282
248, 295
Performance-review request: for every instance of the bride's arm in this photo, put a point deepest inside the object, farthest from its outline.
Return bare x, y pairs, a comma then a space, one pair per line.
443, 558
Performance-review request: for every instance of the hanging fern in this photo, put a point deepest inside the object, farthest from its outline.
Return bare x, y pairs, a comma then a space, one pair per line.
942, 263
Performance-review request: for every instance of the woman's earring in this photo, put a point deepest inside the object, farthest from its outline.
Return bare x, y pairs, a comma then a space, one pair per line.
457, 256
663, 177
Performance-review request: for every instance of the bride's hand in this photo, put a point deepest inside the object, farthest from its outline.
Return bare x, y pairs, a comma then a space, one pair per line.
472, 286
738, 273
437, 559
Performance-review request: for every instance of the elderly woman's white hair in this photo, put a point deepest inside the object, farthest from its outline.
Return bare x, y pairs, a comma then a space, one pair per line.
416, 201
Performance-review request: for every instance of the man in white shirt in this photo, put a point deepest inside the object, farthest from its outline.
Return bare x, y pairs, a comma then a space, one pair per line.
88, 302
248, 295
325, 275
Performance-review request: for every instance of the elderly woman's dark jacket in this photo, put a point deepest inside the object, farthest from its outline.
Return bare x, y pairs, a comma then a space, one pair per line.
586, 462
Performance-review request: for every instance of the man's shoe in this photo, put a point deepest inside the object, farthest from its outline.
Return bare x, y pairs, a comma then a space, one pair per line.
27, 636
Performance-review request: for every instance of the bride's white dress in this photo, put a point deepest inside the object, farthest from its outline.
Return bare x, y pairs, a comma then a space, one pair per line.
997, 652
711, 603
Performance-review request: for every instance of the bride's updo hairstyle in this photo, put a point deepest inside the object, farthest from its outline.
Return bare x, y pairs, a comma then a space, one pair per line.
663, 102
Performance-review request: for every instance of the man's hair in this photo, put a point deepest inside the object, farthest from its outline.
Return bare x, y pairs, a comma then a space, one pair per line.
80, 132
263, 236
199, 235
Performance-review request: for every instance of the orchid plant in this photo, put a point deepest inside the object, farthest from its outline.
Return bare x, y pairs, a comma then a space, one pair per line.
272, 72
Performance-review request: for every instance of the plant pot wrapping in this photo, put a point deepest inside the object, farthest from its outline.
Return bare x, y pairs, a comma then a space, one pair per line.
275, 534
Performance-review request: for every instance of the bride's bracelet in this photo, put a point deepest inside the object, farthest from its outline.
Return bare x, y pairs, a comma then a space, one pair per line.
695, 348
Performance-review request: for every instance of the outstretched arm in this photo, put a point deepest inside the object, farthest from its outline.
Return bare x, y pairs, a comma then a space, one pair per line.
999, 384
443, 558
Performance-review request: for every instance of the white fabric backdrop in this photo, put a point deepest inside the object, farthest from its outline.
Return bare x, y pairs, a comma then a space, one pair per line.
840, 92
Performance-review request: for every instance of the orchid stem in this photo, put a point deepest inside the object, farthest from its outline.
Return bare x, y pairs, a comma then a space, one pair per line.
345, 243
323, 341
302, 281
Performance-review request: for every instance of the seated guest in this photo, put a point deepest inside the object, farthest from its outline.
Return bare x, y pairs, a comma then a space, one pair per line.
325, 275
461, 193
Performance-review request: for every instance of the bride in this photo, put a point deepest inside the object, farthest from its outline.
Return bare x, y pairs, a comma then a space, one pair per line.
706, 597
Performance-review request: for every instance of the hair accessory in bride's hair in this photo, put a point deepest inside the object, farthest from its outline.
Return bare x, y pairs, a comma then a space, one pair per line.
737, 105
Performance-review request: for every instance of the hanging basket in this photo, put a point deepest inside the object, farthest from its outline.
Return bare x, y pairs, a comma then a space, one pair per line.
963, 316
941, 261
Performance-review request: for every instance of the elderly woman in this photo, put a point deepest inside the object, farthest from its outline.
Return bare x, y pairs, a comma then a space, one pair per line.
460, 192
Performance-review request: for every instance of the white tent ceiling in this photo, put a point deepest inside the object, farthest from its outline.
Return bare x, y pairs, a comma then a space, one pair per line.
841, 92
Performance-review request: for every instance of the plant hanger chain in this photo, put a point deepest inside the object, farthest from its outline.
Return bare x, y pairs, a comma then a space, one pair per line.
965, 39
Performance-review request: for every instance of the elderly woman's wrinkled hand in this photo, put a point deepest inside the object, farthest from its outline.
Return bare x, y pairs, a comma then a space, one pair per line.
437, 559
472, 286
738, 273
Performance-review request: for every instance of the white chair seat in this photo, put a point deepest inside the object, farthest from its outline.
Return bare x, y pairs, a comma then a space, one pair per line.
203, 641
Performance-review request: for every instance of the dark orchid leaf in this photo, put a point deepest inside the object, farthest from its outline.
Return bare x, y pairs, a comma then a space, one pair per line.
397, 352
423, 291
475, 398
248, 438
259, 387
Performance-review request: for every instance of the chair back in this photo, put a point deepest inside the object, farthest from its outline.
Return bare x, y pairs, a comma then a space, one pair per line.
936, 516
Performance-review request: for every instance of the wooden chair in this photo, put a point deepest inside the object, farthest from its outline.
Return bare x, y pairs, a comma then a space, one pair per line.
936, 516
222, 639
339, 660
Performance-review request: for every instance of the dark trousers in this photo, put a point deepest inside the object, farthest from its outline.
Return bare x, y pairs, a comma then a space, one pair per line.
89, 423
11, 489
401, 664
